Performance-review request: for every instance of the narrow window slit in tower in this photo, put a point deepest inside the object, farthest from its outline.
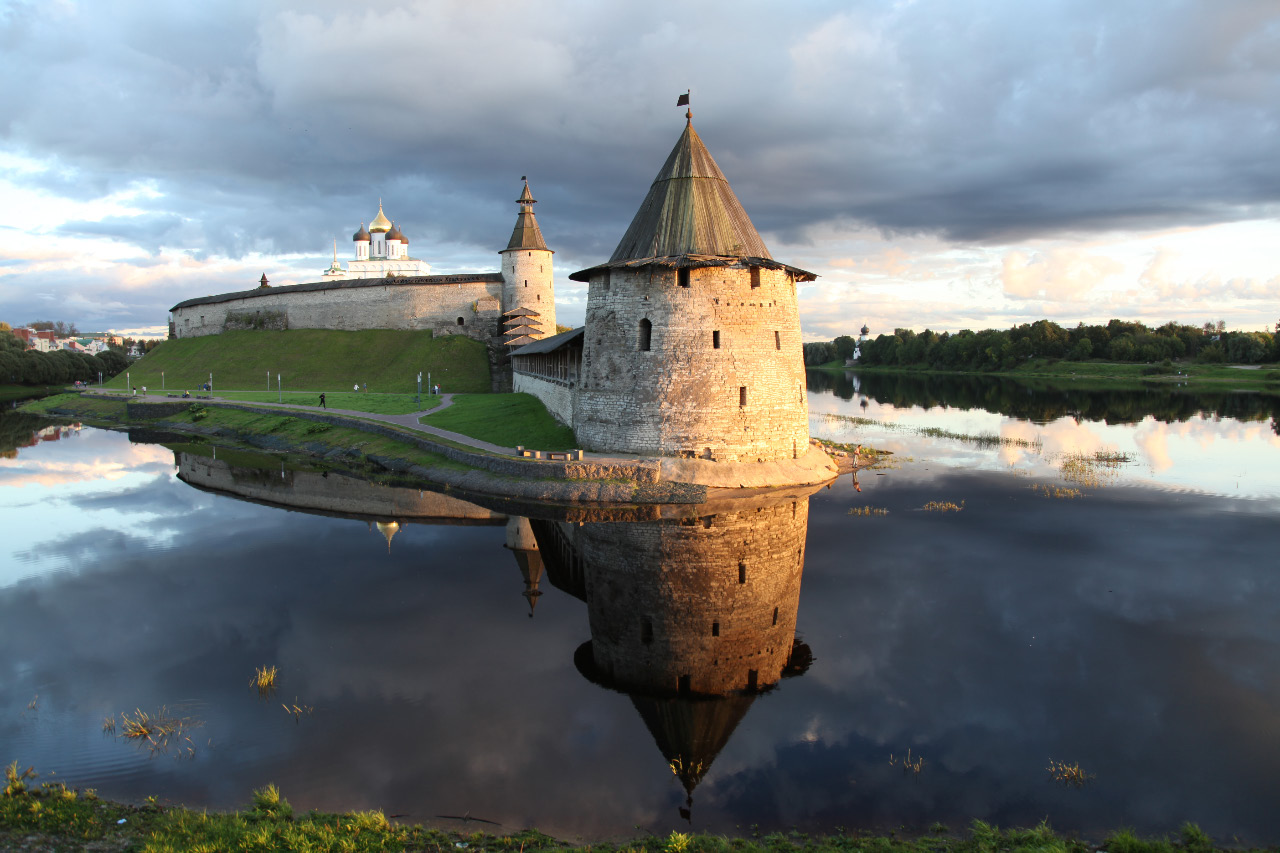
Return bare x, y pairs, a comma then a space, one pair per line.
646, 334
715, 339
646, 631
742, 395
682, 276
755, 276
777, 340
775, 616
742, 572
752, 678
715, 629
684, 685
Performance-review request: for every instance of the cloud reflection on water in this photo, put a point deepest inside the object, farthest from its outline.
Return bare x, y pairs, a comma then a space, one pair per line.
1133, 631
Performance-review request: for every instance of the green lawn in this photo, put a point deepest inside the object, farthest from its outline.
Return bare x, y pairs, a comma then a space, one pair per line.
40, 815
504, 419
380, 404
313, 360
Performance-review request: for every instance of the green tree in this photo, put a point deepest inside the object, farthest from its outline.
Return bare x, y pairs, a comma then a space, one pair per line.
844, 346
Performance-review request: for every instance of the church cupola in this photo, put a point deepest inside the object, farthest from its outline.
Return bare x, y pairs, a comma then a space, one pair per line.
380, 222
528, 286
361, 239
395, 243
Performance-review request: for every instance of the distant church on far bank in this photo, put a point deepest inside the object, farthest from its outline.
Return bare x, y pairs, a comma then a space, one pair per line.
383, 287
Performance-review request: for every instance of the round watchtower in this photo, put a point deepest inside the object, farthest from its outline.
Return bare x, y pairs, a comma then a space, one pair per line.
692, 345
528, 291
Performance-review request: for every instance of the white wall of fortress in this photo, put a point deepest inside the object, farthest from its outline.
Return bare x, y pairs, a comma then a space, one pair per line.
558, 397
436, 305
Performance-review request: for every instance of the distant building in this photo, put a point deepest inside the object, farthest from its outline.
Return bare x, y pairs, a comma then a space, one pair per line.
384, 288
381, 250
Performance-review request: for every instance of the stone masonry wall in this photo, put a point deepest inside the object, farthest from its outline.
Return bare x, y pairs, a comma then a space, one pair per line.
394, 305
556, 396
707, 343
695, 605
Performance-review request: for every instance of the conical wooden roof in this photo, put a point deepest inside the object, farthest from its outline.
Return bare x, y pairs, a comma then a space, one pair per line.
526, 234
690, 210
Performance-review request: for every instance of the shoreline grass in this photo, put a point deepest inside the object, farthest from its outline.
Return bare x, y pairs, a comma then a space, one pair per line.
1107, 375
55, 817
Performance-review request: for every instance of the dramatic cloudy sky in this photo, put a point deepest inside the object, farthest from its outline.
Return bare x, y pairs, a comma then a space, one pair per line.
941, 163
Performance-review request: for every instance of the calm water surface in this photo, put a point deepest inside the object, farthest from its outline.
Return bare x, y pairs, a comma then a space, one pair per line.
1131, 629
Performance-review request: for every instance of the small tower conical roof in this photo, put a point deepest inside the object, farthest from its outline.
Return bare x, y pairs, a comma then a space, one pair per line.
526, 234
690, 210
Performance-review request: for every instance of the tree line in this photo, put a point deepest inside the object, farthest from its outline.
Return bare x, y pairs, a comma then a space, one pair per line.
21, 366
995, 349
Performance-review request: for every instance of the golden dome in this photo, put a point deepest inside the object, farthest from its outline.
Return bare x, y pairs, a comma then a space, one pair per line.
388, 529
380, 222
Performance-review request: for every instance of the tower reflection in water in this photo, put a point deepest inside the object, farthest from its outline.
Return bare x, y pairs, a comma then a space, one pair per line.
692, 610
692, 618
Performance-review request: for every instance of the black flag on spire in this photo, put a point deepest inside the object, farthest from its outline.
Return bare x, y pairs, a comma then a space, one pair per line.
683, 99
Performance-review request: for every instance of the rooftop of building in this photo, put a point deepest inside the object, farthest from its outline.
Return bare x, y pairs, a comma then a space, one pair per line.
690, 218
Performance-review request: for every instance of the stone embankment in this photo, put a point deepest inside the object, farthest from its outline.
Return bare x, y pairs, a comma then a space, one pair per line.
484, 468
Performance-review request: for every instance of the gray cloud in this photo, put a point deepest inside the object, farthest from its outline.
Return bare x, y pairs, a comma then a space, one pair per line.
274, 129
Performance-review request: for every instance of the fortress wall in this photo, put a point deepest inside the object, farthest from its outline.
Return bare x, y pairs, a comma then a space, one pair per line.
682, 397
556, 396
390, 306
336, 493
658, 592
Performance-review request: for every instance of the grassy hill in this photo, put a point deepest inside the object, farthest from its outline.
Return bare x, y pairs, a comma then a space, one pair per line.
314, 360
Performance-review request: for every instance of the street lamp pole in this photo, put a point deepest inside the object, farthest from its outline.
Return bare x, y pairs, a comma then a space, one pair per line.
279, 387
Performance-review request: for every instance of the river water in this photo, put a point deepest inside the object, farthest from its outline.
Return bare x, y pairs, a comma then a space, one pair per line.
1102, 601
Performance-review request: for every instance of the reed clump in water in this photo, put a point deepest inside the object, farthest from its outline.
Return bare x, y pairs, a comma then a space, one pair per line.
264, 679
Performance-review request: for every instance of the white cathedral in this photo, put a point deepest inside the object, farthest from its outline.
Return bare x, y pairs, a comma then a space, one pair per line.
381, 250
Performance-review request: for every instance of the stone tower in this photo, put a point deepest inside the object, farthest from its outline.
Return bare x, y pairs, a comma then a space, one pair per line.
526, 278
693, 618
692, 345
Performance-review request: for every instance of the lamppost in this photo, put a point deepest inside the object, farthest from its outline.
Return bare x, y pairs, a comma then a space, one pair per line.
418, 399
162, 380
211, 383
128, 382
279, 387
268, 380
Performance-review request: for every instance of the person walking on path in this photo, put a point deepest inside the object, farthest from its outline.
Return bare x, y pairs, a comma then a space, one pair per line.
356, 387
322, 405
